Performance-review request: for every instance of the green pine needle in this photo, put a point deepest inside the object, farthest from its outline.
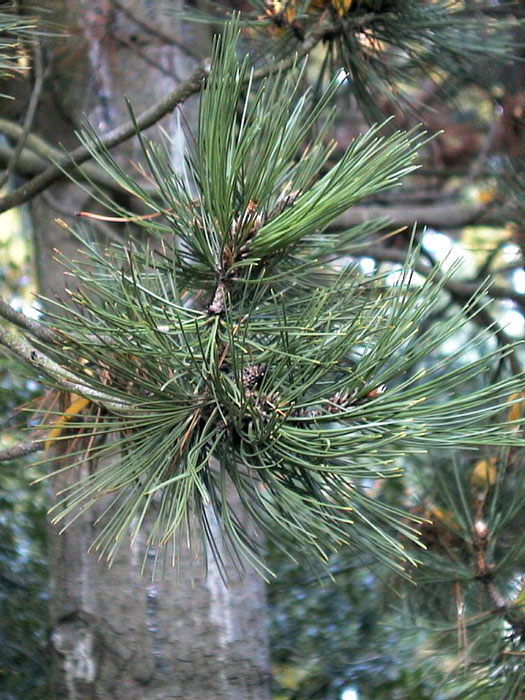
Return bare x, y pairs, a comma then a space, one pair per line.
243, 382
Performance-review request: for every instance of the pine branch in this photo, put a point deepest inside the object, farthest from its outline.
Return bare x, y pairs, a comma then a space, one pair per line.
80, 155
28, 324
294, 380
69, 162
405, 40
21, 450
66, 380
461, 290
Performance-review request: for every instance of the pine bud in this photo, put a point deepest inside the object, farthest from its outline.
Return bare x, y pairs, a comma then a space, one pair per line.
481, 529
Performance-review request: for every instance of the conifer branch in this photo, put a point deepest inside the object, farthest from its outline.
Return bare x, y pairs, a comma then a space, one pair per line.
297, 381
67, 380
23, 322
69, 162
22, 449
461, 290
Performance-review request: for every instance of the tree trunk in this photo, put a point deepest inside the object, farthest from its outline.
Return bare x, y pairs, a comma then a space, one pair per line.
114, 635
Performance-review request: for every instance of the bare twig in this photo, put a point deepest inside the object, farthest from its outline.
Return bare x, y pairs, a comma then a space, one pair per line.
21, 450
34, 142
28, 324
132, 46
464, 290
442, 216
116, 136
155, 30
31, 160
40, 75
318, 33
28, 163
67, 380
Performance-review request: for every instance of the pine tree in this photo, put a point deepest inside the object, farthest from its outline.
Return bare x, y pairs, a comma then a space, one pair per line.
236, 352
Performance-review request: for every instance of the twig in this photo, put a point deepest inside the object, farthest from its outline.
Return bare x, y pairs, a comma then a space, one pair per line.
131, 46
34, 142
484, 570
40, 75
442, 215
28, 324
67, 380
317, 34
116, 136
30, 161
154, 30
21, 450
464, 290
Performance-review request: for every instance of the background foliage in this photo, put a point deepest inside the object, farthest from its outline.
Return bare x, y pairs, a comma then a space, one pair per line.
23, 563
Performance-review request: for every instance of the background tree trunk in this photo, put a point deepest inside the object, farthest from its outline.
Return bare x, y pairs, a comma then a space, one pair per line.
114, 635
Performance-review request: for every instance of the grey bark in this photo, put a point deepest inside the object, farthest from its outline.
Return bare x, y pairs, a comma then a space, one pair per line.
114, 635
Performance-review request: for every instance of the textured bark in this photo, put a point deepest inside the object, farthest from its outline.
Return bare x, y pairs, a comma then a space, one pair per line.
114, 635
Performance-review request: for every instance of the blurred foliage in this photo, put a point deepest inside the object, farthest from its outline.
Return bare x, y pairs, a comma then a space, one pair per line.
383, 47
23, 556
440, 637
13, 30
23, 585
